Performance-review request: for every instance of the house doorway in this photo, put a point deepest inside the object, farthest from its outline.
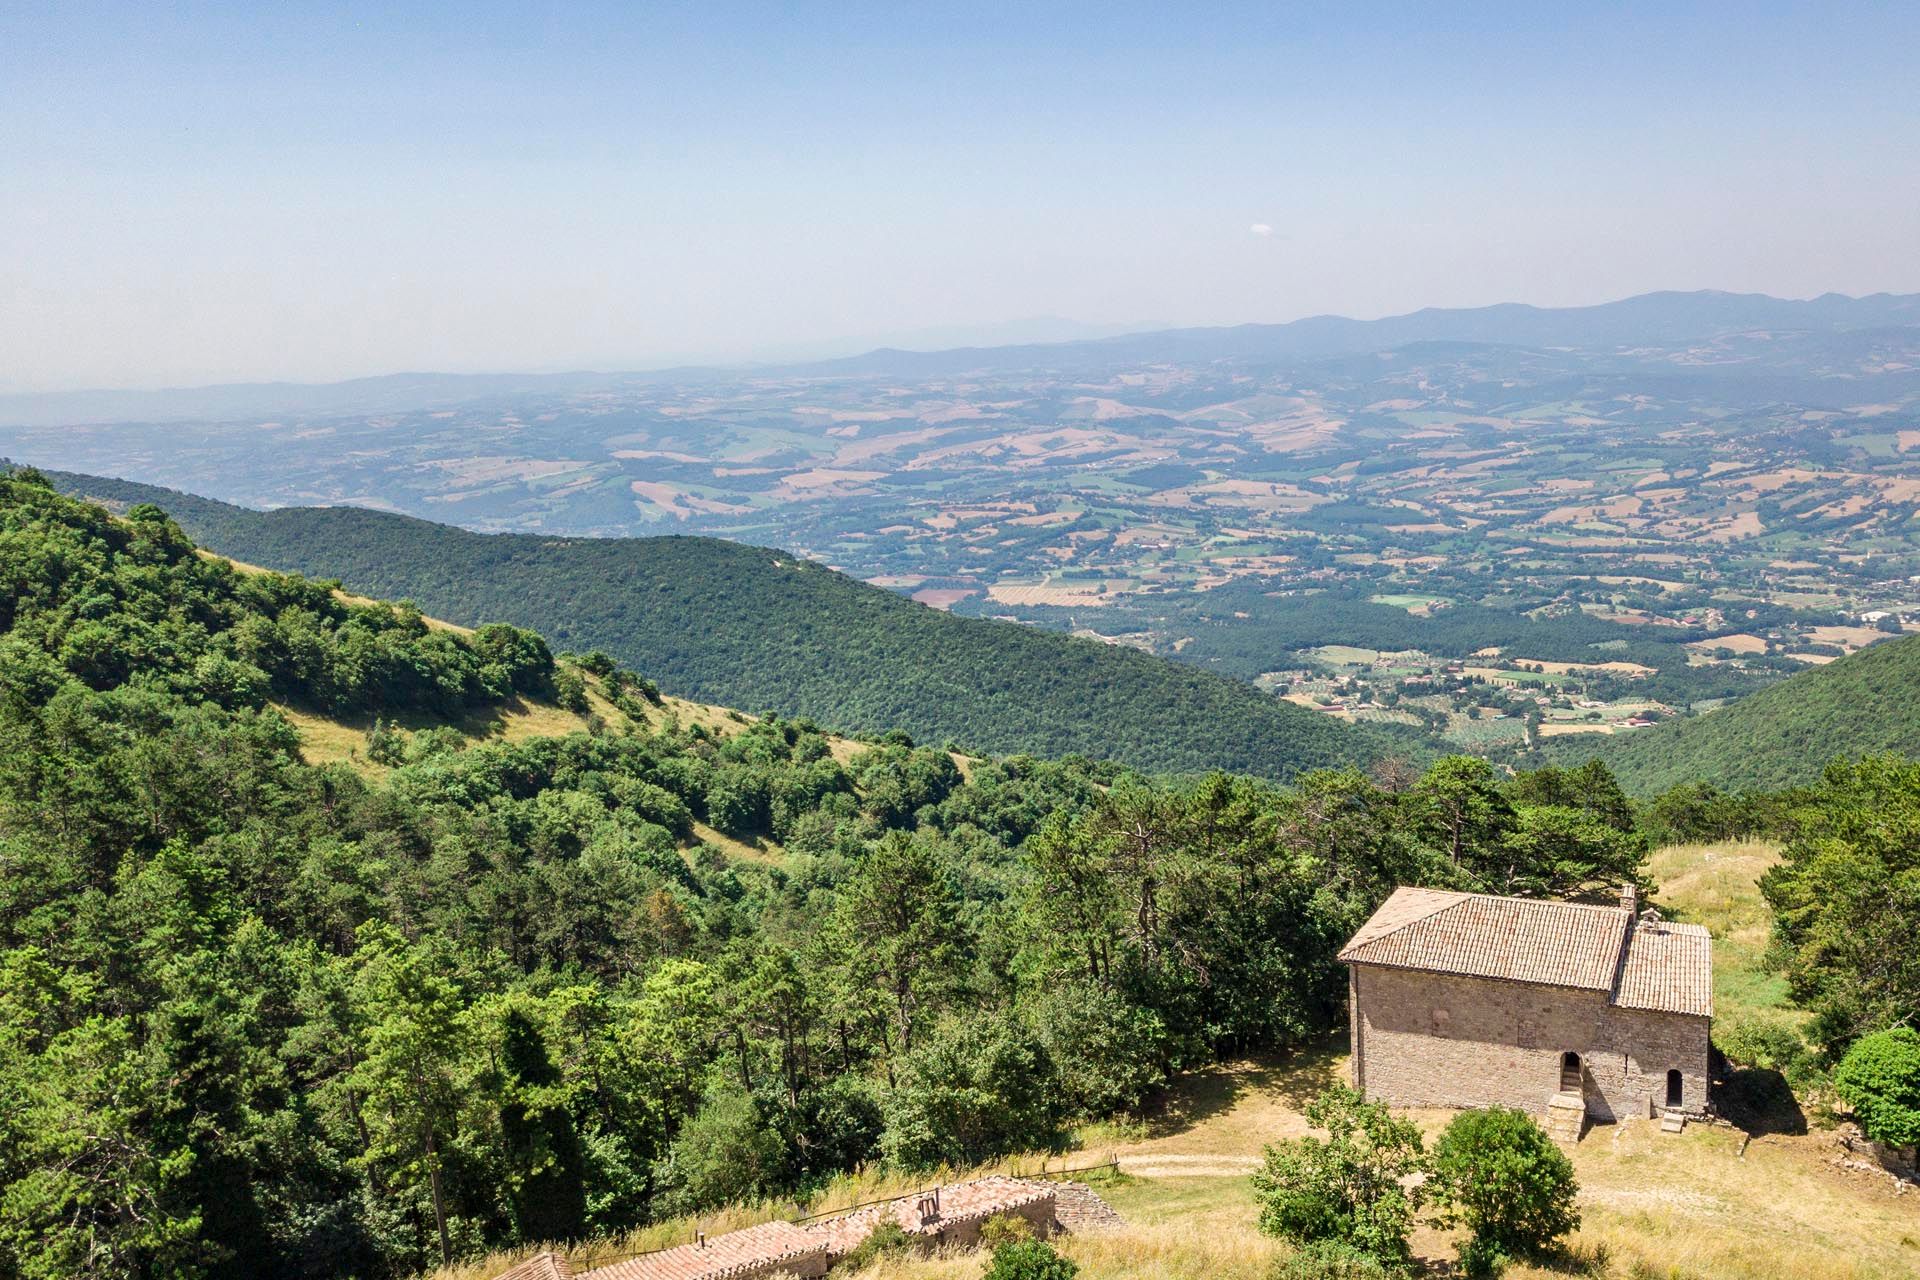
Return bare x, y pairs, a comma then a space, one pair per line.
1674, 1089
1570, 1073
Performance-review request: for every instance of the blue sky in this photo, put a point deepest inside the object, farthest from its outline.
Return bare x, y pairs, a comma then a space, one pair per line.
232, 192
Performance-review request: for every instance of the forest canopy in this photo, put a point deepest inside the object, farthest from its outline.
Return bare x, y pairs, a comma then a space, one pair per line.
755, 628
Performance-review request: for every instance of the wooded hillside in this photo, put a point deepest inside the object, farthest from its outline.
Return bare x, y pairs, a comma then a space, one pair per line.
1780, 736
759, 629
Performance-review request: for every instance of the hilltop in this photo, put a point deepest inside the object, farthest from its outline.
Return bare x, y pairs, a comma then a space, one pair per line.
1781, 736
722, 622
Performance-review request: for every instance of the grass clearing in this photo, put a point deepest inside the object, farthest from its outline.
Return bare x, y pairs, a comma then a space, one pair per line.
1717, 886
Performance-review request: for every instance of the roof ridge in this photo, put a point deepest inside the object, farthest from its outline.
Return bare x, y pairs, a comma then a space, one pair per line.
1540, 902
1453, 898
1494, 936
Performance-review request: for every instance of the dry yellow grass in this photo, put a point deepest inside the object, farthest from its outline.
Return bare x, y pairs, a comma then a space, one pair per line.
1717, 885
330, 739
759, 851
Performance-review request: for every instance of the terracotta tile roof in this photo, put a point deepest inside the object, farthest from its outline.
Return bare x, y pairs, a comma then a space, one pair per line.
962, 1202
541, 1266
1669, 966
984, 1197
764, 1249
754, 1251
1558, 944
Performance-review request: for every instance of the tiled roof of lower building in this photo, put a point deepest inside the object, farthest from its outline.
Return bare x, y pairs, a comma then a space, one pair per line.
541, 1266
1669, 966
757, 1250
735, 1253
1640, 965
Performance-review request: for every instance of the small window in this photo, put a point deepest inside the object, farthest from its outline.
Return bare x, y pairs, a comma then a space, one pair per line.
1674, 1087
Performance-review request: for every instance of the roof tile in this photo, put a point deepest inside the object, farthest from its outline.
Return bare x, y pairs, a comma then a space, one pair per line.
1560, 944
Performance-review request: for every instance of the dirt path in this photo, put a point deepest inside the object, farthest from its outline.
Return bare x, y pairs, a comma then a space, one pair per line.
1156, 1165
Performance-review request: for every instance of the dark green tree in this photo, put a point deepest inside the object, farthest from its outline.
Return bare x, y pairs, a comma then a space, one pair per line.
1497, 1174
1846, 899
1880, 1079
1350, 1187
544, 1159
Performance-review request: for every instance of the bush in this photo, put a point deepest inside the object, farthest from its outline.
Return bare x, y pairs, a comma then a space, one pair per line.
724, 1153
1030, 1260
569, 690
1496, 1173
1005, 1228
1329, 1260
975, 1090
1765, 1041
386, 745
887, 1240
1110, 1052
1880, 1079
1346, 1190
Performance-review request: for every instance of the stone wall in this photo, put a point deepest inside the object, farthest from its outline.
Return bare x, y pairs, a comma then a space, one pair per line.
1432, 1039
966, 1233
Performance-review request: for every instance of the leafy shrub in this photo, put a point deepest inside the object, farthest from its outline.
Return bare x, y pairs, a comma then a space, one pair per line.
887, 1240
386, 744
1346, 1189
569, 689
981, 1087
1329, 1260
1770, 1043
724, 1153
1110, 1053
1880, 1080
1030, 1260
1496, 1173
1005, 1228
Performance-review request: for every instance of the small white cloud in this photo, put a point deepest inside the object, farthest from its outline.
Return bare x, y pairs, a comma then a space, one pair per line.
1261, 229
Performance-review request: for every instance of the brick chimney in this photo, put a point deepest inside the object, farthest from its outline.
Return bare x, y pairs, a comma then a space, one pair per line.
1630, 899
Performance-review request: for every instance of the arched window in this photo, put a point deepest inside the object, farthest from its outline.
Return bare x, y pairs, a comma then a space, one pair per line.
1674, 1087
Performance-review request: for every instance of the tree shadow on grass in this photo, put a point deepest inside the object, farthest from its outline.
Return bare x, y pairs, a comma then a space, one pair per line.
1759, 1101
1295, 1078
1562, 1259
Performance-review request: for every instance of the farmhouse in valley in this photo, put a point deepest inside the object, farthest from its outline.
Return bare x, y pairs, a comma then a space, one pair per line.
1567, 1011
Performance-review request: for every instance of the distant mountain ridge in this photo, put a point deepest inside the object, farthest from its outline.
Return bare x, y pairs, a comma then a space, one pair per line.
1780, 736
1652, 317
760, 629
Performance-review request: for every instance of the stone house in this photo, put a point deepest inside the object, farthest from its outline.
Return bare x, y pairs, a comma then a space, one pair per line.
1566, 1011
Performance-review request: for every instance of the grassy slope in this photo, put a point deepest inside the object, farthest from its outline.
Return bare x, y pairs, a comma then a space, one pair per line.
1707, 1204
1781, 736
327, 738
748, 627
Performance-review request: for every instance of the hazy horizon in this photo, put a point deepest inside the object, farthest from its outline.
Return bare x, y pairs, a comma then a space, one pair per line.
279, 194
